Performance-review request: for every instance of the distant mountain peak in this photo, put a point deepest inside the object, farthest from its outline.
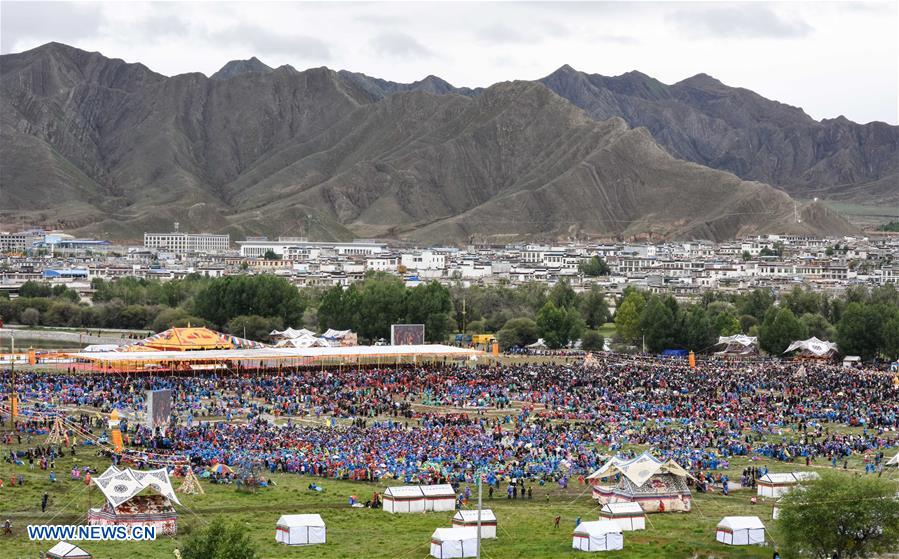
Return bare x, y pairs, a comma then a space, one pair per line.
238, 67
701, 80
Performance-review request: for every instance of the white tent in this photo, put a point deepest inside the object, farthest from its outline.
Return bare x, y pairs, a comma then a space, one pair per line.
469, 519
656, 485
739, 344
740, 530
404, 498
447, 543
813, 347
300, 529
439, 497
894, 461
66, 550
290, 333
597, 535
777, 485
119, 486
628, 516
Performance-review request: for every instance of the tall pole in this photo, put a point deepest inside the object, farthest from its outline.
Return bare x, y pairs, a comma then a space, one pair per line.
478, 551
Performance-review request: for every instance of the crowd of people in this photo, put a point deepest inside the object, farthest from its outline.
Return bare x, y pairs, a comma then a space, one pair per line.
541, 422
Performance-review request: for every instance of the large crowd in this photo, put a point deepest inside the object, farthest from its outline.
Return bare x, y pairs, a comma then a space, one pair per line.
540, 422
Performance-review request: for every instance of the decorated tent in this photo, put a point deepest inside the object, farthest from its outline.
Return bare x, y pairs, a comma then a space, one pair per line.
439, 497
447, 543
290, 334
66, 550
404, 498
813, 348
597, 535
737, 345
125, 505
190, 338
629, 516
777, 485
342, 338
469, 519
740, 530
656, 485
300, 529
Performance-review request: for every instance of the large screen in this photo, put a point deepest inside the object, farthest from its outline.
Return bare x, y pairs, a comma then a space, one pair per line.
159, 407
407, 334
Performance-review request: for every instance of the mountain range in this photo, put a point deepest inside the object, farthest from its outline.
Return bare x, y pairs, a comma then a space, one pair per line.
103, 147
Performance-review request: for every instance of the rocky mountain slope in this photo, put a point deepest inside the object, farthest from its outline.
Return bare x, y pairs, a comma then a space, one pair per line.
702, 120
109, 148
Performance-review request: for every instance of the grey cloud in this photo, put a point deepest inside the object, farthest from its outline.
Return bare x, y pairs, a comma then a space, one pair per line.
501, 33
400, 45
263, 42
47, 21
744, 20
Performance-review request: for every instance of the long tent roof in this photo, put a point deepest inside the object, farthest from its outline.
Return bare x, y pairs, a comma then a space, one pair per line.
278, 353
639, 469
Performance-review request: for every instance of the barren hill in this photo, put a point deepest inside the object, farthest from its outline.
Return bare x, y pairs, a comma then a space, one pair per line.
106, 147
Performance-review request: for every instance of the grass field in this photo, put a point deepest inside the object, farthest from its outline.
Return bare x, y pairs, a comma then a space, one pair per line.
525, 526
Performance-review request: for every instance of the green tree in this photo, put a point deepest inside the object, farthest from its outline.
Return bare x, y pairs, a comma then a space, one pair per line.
382, 302
35, 289
558, 326
592, 341
860, 330
841, 517
30, 317
699, 333
891, 338
430, 304
254, 327
219, 540
779, 329
627, 316
517, 332
657, 325
593, 307
168, 318
271, 255
224, 298
593, 267
756, 303
562, 295
816, 325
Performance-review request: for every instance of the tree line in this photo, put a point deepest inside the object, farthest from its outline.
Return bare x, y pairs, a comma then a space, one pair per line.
862, 321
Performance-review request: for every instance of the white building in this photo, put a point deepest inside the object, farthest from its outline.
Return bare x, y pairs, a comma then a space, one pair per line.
182, 243
298, 248
424, 260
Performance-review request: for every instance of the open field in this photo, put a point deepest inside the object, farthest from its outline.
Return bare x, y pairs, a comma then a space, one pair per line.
526, 526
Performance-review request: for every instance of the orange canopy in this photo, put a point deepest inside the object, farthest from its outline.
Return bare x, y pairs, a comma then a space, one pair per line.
187, 339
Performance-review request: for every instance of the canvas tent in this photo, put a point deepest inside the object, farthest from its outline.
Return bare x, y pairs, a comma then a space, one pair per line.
469, 519
737, 345
125, 505
447, 543
740, 530
628, 516
656, 485
66, 550
894, 461
404, 498
813, 348
439, 497
597, 535
300, 529
777, 485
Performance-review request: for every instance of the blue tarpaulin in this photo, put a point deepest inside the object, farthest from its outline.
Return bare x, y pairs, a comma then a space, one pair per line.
675, 353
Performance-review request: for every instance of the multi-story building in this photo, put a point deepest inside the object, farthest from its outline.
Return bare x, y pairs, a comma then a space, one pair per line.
187, 243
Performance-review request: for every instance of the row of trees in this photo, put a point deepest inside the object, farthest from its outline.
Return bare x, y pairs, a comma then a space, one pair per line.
862, 321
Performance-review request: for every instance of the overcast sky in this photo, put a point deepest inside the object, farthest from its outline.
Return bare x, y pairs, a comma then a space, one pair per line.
830, 58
